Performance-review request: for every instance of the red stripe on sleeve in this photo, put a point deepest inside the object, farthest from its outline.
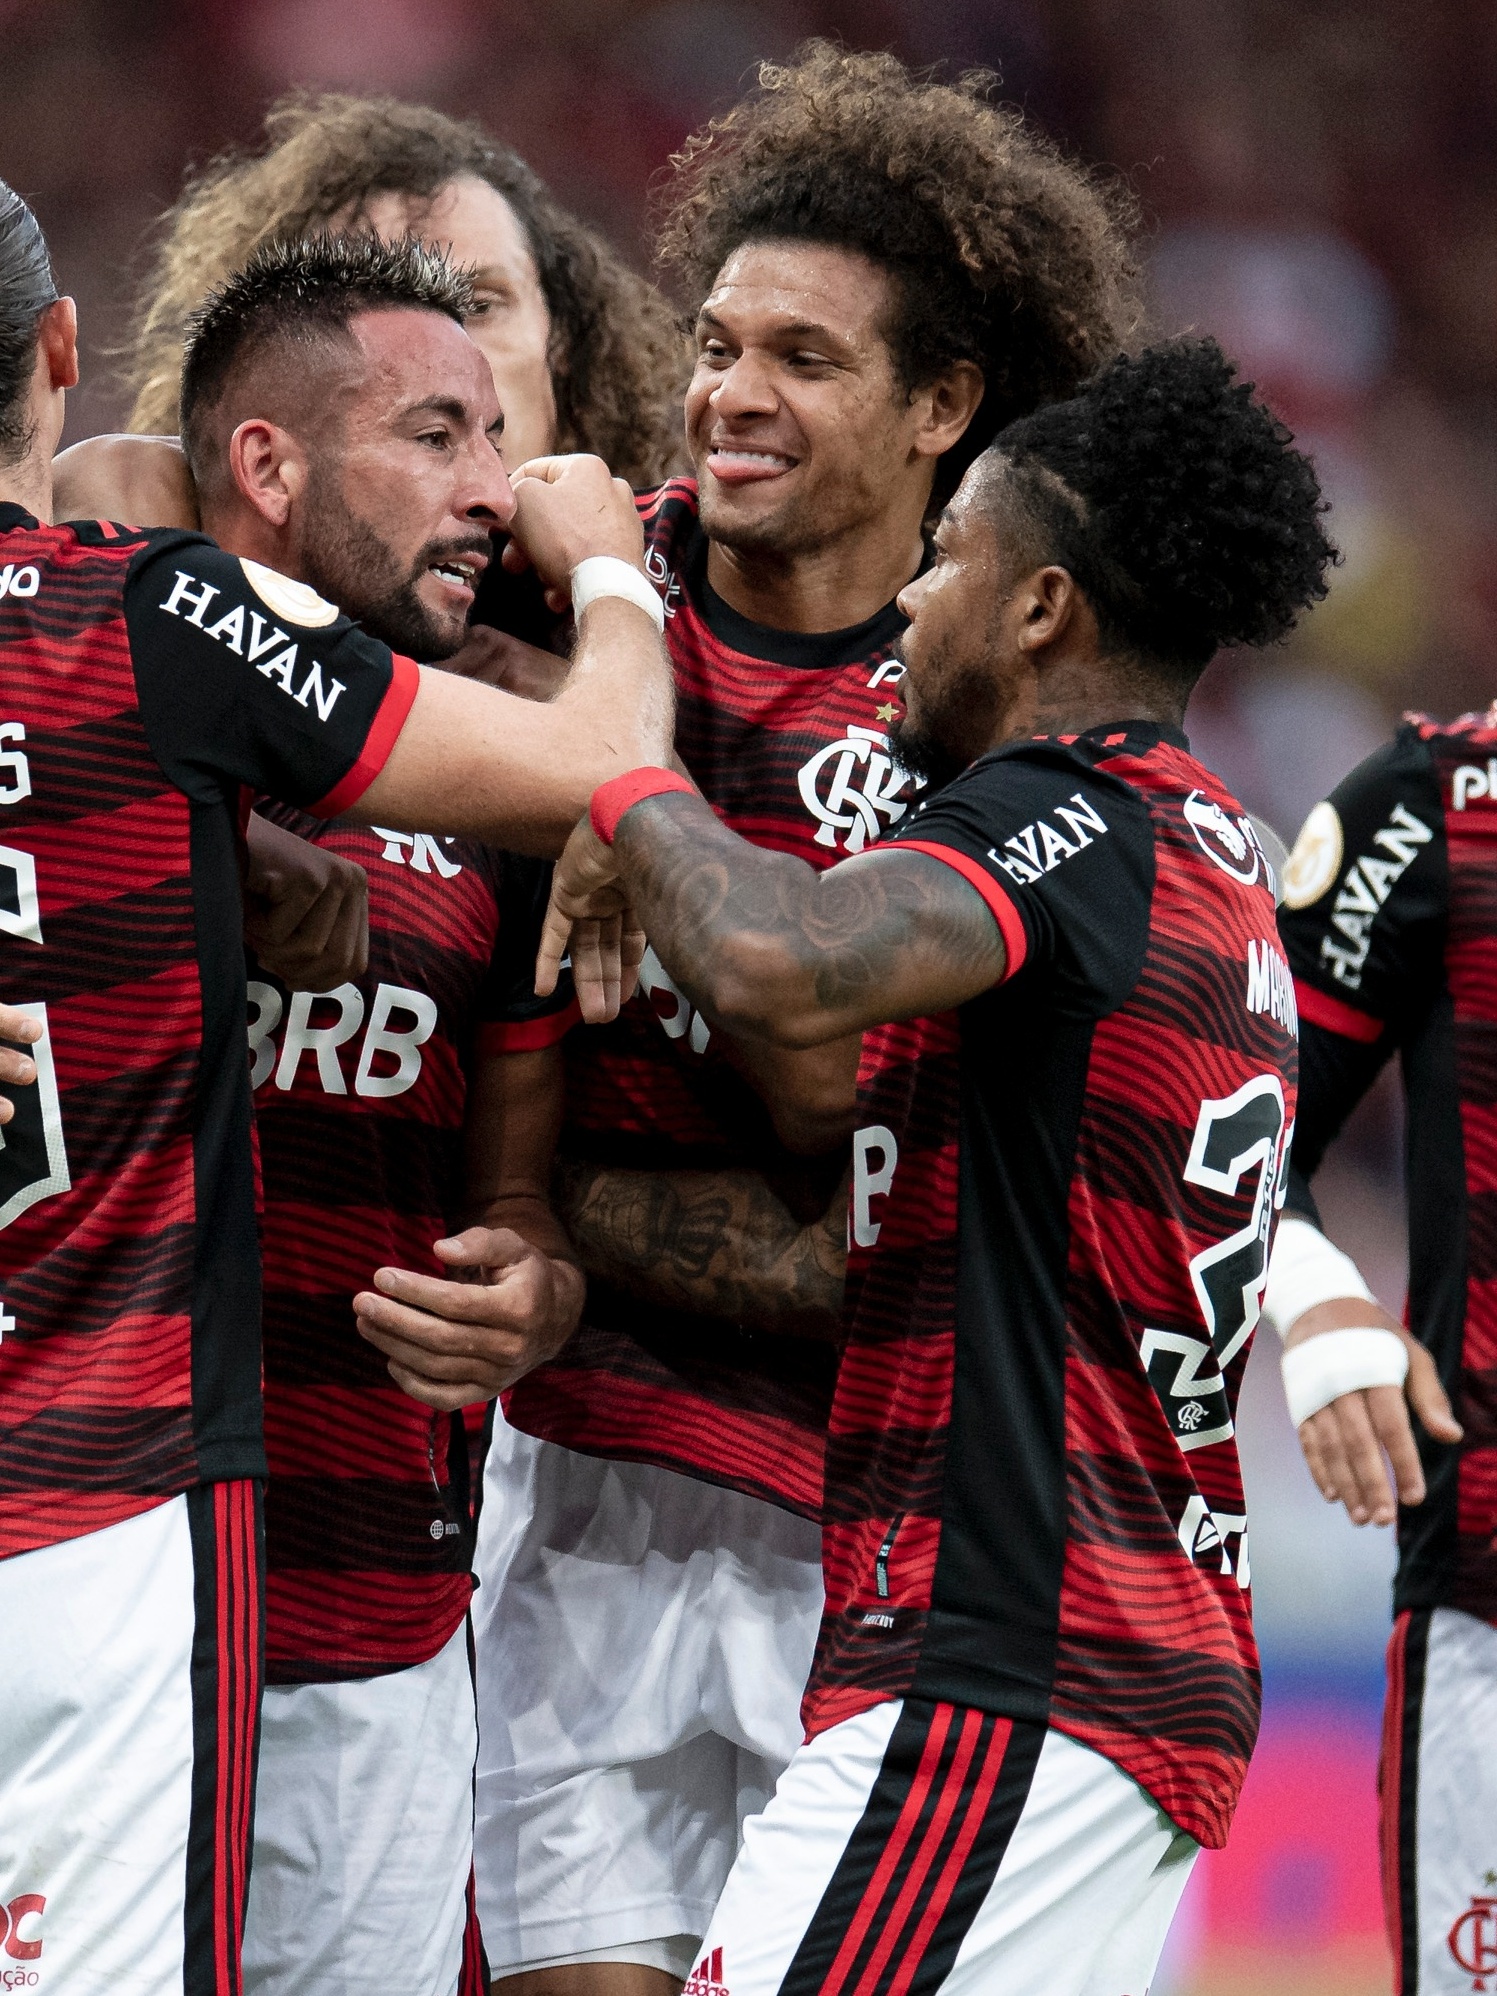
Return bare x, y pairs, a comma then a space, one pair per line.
1335, 1015
525, 1035
1004, 913
400, 697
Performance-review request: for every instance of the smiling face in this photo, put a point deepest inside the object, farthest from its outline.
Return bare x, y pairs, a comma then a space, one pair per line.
798, 428
404, 481
475, 226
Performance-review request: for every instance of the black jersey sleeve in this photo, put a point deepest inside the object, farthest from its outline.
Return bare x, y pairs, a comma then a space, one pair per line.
512, 1019
247, 678
1064, 857
1366, 891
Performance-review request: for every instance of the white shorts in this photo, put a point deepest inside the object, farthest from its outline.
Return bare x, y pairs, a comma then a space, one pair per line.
643, 1640
364, 1836
1438, 1793
922, 1847
129, 1686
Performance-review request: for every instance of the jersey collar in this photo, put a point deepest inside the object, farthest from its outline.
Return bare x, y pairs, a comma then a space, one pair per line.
13, 516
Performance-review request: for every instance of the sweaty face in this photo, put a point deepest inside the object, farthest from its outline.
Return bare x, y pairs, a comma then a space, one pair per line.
405, 483
511, 325
795, 421
962, 670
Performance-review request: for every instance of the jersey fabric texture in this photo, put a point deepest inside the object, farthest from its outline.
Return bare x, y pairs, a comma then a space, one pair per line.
359, 1099
1062, 1198
145, 681
1391, 932
787, 736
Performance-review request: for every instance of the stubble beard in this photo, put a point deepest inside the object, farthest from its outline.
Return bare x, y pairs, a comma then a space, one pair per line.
345, 560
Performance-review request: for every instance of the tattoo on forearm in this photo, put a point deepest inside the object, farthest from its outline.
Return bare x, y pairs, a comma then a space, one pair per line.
719, 1244
848, 930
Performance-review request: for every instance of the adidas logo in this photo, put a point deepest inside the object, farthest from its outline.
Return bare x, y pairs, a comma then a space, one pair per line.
706, 1979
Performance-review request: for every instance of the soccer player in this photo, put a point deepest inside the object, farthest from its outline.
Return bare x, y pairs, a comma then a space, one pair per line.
1035, 1688
1388, 927
145, 681
883, 271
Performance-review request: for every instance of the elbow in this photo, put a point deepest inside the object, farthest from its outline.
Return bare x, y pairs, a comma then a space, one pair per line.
755, 990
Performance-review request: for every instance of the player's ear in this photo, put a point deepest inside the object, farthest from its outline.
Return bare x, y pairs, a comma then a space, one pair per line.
268, 468
946, 407
1046, 602
58, 341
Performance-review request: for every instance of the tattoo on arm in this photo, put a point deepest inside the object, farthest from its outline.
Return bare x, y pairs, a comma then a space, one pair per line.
763, 942
719, 1244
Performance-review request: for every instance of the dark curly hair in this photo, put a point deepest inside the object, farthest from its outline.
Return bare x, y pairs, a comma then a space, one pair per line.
297, 292
1002, 252
1176, 501
618, 360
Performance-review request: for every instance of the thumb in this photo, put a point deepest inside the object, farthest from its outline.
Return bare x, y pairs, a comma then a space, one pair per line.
1428, 1397
483, 1247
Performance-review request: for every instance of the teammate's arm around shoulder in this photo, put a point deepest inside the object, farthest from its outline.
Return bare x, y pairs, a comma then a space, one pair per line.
1352, 1373
517, 772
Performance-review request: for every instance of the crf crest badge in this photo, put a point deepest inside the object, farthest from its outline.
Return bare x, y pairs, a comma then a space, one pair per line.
855, 788
1473, 1941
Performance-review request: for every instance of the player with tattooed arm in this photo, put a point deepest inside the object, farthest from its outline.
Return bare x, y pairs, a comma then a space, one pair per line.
1035, 1689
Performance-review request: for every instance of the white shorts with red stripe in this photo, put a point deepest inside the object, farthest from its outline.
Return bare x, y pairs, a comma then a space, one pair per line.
363, 1851
643, 1640
1438, 1796
129, 1698
922, 1847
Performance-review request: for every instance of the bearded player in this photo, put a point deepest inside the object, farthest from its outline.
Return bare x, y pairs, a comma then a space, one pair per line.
1388, 925
149, 679
884, 272
1035, 1688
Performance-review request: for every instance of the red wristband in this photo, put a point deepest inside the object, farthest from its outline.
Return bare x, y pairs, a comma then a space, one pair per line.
612, 799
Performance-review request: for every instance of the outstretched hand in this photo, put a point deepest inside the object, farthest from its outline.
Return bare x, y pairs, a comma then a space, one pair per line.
590, 917
1346, 1443
450, 1344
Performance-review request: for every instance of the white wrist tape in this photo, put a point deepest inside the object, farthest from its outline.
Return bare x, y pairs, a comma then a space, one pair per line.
1305, 1269
1335, 1362
606, 575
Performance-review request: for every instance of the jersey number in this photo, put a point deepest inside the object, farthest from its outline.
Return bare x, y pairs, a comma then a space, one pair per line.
1235, 1135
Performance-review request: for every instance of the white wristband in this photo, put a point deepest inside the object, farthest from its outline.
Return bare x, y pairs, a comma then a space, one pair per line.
607, 575
1335, 1362
1306, 1269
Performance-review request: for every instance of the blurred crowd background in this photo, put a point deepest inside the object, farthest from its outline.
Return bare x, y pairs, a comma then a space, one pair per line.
1318, 185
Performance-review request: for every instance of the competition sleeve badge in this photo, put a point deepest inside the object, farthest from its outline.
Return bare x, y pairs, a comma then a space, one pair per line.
1316, 859
292, 600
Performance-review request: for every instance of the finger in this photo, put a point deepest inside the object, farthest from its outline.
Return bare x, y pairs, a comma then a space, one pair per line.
446, 1399
484, 1247
16, 1068
446, 1366
481, 1305
1389, 1414
556, 937
546, 470
277, 910
1428, 1397
610, 962
18, 1025
633, 948
588, 978
1364, 1457
1336, 1481
345, 954
7, 1109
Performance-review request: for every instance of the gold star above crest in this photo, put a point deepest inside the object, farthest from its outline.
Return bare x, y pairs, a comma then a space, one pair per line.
888, 712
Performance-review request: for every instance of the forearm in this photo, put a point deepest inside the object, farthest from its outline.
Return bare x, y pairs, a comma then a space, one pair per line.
716, 1244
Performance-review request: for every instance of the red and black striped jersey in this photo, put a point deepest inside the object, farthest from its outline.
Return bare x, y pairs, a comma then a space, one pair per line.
1062, 1201
1390, 926
788, 737
145, 681
360, 1098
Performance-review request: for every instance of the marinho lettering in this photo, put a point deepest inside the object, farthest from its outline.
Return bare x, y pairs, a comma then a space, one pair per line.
190, 599
1270, 986
1367, 883
1041, 846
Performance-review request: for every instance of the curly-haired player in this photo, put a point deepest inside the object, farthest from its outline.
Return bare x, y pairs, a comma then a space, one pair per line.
881, 269
1035, 1689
